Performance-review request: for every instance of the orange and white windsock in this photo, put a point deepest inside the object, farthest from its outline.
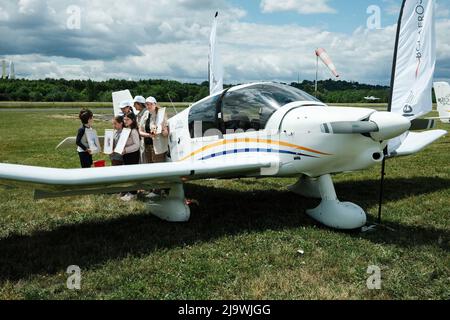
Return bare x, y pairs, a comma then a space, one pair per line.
323, 55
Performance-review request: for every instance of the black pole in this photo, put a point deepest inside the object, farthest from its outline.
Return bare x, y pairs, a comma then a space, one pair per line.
394, 68
383, 175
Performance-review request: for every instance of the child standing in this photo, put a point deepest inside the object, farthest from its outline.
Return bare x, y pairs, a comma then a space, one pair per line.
118, 124
85, 154
131, 154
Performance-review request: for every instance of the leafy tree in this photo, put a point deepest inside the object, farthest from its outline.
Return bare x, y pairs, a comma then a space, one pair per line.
329, 91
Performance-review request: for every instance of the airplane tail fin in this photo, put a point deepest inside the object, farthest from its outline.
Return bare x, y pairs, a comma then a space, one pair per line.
442, 91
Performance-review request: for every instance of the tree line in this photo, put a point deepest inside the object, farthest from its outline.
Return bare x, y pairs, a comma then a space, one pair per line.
61, 90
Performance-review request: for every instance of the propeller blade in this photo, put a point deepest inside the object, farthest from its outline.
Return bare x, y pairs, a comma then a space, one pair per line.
349, 127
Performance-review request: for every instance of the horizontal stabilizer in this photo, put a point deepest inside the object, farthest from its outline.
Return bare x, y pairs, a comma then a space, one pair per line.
70, 142
422, 124
416, 142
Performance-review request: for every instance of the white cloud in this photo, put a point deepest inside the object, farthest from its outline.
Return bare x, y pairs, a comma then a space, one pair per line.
442, 11
4, 16
30, 6
391, 7
299, 6
171, 41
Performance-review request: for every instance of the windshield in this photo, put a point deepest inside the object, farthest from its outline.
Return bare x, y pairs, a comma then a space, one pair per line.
251, 107
274, 94
244, 108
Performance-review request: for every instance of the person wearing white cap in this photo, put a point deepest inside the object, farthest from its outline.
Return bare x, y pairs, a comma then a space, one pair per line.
139, 105
126, 107
156, 145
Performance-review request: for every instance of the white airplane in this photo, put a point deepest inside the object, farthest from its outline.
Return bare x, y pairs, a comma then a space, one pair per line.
269, 130
371, 98
442, 91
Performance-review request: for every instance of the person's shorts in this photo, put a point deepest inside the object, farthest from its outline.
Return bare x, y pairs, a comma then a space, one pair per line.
152, 157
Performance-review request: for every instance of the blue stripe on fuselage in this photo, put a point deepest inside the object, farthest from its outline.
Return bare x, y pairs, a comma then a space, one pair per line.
254, 150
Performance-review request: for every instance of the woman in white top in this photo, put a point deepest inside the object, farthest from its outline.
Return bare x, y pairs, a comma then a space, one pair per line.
156, 145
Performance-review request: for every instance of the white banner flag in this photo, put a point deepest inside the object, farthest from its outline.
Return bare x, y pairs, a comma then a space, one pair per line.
215, 63
415, 59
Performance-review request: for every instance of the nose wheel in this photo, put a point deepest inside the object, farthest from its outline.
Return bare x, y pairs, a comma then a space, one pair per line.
331, 212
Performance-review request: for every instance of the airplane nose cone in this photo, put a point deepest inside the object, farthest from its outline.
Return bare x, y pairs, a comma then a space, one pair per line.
390, 125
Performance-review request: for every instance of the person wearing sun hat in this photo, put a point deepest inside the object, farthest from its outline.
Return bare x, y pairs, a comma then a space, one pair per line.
139, 105
156, 145
126, 107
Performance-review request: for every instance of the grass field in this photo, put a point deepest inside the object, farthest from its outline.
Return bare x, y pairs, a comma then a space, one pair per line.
241, 242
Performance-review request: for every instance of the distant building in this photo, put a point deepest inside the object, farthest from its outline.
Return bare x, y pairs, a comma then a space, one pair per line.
3, 69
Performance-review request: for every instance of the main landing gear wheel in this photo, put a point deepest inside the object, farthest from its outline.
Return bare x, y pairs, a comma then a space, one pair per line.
171, 208
331, 212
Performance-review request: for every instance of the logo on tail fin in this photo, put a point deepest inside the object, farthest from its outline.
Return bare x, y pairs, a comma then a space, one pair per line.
408, 110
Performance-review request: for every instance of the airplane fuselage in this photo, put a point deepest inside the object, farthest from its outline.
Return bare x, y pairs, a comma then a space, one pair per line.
293, 134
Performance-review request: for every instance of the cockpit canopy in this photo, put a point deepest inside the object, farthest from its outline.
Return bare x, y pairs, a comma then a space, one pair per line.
243, 107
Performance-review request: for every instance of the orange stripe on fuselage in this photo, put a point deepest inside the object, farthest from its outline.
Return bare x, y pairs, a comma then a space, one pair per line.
249, 140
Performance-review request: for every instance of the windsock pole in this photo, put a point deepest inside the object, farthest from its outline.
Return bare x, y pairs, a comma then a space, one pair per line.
317, 75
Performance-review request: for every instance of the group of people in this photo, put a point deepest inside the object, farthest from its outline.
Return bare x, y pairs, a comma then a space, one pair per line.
145, 143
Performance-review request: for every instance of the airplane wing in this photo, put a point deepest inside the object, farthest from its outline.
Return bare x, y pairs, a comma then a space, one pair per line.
51, 182
66, 143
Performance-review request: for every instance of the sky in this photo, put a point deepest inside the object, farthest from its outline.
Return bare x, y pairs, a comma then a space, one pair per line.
259, 40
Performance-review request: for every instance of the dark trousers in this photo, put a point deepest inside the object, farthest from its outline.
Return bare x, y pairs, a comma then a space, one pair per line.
131, 158
85, 159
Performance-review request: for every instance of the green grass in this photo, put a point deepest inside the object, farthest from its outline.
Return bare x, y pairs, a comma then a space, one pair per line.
241, 242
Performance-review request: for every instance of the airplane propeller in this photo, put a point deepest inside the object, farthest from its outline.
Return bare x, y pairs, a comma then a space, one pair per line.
367, 127
350, 127
381, 129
